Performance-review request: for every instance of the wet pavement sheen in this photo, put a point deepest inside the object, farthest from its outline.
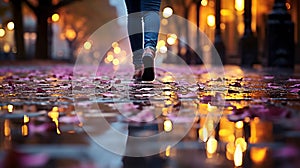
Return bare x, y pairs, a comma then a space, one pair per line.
52, 117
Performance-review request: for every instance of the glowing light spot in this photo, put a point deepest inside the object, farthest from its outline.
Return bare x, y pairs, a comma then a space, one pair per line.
87, 45
168, 150
10, 108
55, 17
6, 48
10, 25
25, 119
106, 61
6, 128
258, 155
239, 5
238, 156
256, 120
242, 143
24, 130
247, 119
114, 44
160, 43
204, 2
116, 61
211, 20
70, 34
239, 124
211, 145
172, 39
54, 114
223, 26
288, 5
168, 125
226, 12
117, 50
203, 134
164, 22
167, 12
110, 57
163, 49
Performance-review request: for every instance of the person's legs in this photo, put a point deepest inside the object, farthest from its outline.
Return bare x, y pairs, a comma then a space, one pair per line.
134, 25
150, 9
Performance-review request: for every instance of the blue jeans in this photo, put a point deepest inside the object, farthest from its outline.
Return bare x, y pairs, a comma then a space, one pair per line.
148, 11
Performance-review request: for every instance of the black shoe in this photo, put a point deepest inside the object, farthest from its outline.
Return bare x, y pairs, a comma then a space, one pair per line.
148, 61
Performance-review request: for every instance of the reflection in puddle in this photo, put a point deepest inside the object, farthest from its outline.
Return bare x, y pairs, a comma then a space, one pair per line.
245, 142
54, 114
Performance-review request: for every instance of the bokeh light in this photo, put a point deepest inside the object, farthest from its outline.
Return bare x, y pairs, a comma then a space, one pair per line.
10, 25
55, 17
211, 20
167, 12
87, 45
2, 32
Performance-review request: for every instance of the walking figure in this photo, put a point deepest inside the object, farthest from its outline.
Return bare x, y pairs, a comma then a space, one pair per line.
143, 49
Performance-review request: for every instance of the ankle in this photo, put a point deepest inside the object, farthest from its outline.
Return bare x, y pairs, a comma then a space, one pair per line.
138, 67
149, 51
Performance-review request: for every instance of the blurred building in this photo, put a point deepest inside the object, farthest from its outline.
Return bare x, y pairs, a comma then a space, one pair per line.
232, 22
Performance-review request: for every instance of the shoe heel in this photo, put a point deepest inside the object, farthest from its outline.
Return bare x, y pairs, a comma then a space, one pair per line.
148, 74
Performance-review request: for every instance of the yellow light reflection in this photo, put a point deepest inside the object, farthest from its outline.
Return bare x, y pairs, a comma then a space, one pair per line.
87, 45
54, 114
241, 28
226, 12
168, 125
258, 155
10, 108
211, 20
203, 134
115, 44
247, 119
168, 78
26, 119
6, 128
211, 146
288, 5
110, 58
242, 143
226, 132
2, 32
10, 25
163, 49
117, 50
239, 124
116, 61
6, 48
223, 26
164, 22
172, 39
161, 43
168, 102
167, 12
204, 2
167, 93
260, 131
230, 148
168, 150
239, 5
55, 17
70, 34
211, 108
24, 130
238, 156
